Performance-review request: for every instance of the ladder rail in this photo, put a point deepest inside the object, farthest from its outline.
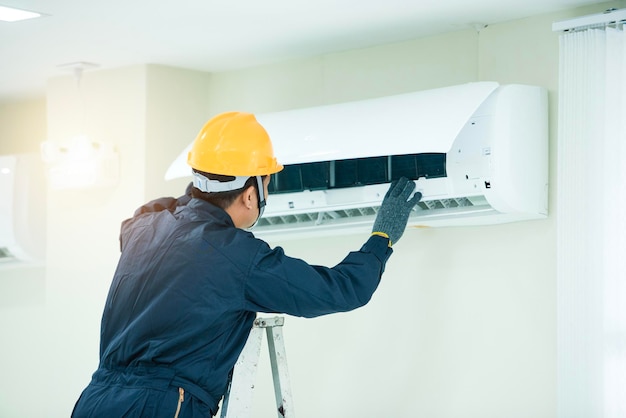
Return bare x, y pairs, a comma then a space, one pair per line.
237, 401
280, 375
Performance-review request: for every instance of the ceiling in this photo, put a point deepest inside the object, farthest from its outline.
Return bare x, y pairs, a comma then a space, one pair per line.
212, 35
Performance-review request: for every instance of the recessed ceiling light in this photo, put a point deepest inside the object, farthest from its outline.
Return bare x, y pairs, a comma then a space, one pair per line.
10, 14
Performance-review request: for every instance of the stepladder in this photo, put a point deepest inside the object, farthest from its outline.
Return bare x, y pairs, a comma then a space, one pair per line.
237, 401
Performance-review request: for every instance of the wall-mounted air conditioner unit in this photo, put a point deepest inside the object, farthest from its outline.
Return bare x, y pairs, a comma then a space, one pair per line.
478, 152
22, 209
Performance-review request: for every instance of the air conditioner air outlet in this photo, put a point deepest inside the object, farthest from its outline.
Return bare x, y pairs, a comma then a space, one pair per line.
367, 212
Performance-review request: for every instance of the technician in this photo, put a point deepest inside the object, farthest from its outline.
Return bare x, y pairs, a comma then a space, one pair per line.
191, 279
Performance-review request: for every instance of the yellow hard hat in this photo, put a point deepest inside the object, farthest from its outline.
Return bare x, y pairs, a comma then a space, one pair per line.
233, 144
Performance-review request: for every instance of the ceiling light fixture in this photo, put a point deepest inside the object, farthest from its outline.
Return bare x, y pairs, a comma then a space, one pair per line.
10, 14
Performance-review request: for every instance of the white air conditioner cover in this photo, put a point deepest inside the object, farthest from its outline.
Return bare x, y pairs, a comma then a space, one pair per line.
423, 121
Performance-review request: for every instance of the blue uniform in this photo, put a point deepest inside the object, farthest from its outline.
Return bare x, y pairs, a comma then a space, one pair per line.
183, 299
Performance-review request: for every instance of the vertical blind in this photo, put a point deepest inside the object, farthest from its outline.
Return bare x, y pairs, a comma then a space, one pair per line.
591, 219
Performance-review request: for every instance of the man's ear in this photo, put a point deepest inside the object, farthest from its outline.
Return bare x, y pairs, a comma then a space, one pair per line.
248, 197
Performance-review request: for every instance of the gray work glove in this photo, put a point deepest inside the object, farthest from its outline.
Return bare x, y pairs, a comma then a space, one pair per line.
393, 214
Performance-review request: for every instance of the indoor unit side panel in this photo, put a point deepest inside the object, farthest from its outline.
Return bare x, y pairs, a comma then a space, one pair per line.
520, 150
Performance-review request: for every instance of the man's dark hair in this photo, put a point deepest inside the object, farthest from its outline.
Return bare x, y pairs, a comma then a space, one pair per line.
221, 199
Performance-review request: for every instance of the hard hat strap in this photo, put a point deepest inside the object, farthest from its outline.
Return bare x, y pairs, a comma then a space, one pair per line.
212, 186
262, 199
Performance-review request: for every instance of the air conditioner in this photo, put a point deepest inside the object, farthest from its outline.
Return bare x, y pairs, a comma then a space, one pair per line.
478, 153
22, 209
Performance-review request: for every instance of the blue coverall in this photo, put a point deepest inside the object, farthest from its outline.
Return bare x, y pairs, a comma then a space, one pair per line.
183, 299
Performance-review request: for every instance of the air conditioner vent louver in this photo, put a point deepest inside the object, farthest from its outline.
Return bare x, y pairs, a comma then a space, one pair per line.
445, 203
324, 217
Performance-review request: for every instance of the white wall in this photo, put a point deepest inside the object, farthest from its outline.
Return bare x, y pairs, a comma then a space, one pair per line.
464, 321
463, 324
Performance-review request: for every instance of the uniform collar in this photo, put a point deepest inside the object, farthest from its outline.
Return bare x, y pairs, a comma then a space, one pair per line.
207, 210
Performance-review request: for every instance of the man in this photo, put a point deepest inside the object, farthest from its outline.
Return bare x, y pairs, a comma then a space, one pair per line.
190, 280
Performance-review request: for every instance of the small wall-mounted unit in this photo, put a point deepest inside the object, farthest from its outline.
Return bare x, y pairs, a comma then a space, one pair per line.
478, 152
22, 209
